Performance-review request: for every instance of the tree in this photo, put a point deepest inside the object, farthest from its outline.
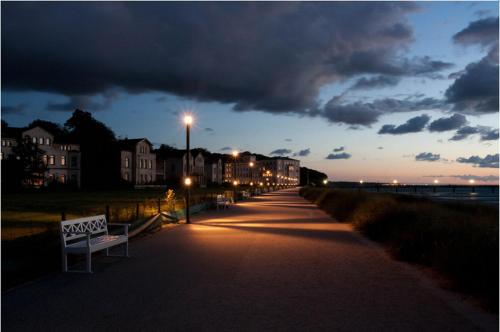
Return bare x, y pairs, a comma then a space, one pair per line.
29, 162
100, 162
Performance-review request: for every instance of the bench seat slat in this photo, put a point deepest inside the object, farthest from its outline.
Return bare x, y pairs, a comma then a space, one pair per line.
97, 243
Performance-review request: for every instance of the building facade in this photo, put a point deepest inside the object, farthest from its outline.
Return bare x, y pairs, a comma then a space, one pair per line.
62, 159
137, 161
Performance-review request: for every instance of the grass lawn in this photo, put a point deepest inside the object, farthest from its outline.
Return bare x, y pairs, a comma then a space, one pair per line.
29, 213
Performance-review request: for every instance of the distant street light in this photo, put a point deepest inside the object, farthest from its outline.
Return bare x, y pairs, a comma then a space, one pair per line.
235, 155
360, 181
325, 181
472, 181
188, 120
436, 181
395, 181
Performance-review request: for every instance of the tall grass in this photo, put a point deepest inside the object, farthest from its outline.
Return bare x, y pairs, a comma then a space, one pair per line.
458, 240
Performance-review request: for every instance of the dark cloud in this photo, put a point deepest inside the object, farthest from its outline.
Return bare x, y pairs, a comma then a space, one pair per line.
464, 132
483, 32
13, 109
280, 53
376, 82
209, 129
281, 152
288, 139
334, 156
444, 124
413, 125
92, 103
489, 134
486, 133
339, 149
427, 156
226, 148
490, 161
476, 89
366, 114
303, 153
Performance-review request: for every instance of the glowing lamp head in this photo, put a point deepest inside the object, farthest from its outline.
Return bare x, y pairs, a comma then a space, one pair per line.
436, 181
361, 181
187, 181
261, 184
395, 181
471, 181
325, 181
235, 153
235, 183
251, 183
251, 164
188, 119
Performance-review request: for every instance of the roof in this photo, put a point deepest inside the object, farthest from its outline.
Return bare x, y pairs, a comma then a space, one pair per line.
130, 144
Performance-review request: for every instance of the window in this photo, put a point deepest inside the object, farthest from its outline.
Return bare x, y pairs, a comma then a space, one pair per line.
126, 176
44, 158
127, 165
47, 141
34, 140
52, 160
63, 178
142, 163
40, 141
9, 143
1, 155
63, 160
4, 143
74, 161
150, 164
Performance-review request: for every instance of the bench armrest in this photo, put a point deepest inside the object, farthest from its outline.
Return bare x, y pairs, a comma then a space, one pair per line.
125, 227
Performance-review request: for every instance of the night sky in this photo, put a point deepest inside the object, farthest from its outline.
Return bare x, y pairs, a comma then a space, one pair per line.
374, 91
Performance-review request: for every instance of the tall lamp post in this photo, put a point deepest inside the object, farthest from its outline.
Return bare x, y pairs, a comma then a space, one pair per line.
235, 182
188, 120
251, 164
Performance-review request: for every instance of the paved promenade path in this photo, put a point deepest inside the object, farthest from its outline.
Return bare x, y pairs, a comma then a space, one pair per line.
273, 263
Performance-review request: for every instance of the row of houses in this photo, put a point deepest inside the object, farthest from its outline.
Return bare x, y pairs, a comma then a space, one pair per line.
141, 164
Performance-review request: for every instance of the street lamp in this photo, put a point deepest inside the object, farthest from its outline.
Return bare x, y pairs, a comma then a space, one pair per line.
471, 181
436, 181
188, 120
325, 181
235, 155
361, 181
251, 164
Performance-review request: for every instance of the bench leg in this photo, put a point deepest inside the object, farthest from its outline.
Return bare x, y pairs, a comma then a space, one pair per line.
64, 262
89, 262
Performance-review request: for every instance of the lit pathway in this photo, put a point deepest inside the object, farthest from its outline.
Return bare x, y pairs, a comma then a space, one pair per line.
274, 263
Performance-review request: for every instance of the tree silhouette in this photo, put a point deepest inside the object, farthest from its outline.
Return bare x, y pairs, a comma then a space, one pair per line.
100, 163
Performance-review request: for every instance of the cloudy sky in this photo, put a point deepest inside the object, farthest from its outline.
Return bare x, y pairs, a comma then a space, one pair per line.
372, 91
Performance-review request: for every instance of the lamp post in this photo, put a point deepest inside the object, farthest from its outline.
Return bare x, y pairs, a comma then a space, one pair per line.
188, 120
251, 164
235, 155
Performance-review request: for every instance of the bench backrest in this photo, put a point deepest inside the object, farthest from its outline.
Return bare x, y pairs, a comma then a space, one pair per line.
94, 225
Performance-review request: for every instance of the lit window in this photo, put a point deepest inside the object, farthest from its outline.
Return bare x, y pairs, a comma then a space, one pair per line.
4, 143
63, 160
150, 164
47, 141
34, 140
127, 163
9, 143
63, 178
44, 158
52, 160
126, 176
40, 141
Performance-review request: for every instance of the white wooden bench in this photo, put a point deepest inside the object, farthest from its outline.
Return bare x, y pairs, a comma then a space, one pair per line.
88, 235
222, 201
